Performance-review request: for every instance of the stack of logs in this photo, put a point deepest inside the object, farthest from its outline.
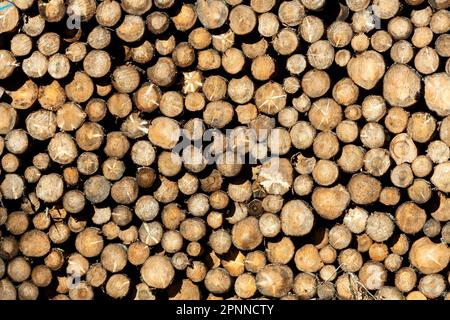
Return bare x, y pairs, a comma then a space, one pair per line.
328, 123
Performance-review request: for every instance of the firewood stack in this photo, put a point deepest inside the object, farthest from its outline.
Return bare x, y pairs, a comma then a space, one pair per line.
224, 149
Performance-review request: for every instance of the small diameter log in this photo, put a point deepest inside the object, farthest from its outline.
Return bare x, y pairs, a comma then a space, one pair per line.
262, 6
200, 38
397, 95
233, 60
9, 120
132, 28
34, 244
360, 43
186, 18
183, 55
157, 272
69, 117
435, 261
97, 63
286, 42
76, 51
320, 54
21, 45
325, 114
246, 234
312, 29
253, 50
117, 286
402, 52
381, 41
378, 252
58, 66
268, 24
340, 237
390, 196
314, 5
433, 84
33, 26
165, 47
274, 280
163, 72
35, 66
315, 83
164, 132
9, 17
49, 43
242, 19
108, 13
369, 60
80, 89
372, 275
89, 242
351, 261
263, 67
307, 259
432, 286
212, 13
420, 191
293, 212
377, 161
270, 225
8, 291
125, 79
241, 90
143, 53
379, 226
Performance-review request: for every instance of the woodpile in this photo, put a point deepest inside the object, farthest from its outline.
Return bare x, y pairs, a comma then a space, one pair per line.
225, 149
